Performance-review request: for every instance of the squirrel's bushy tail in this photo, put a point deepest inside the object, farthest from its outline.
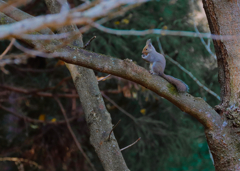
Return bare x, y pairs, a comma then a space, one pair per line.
179, 84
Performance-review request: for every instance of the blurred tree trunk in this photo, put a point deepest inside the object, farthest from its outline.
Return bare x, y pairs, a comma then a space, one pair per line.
98, 118
224, 18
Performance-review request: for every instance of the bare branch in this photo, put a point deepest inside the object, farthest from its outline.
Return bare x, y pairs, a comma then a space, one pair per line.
88, 43
25, 118
62, 19
104, 77
20, 160
131, 144
17, 15
73, 135
37, 92
162, 32
45, 36
39, 53
203, 42
7, 49
119, 108
129, 70
113, 129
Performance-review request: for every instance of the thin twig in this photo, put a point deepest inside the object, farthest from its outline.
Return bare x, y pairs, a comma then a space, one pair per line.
203, 42
45, 36
188, 73
36, 93
162, 32
73, 135
7, 49
119, 108
35, 120
20, 160
33, 70
160, 46
104, 78
88, 43
130, 144
113, 129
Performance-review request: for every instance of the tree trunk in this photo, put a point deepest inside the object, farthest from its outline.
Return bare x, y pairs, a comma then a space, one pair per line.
223, 18
98, 118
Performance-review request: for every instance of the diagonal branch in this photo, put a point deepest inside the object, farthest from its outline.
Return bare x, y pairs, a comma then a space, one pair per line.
63, 18
127, 69
97, 117
73, 135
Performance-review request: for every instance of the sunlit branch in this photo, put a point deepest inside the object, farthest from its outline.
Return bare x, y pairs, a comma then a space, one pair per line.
162, 32
131, 144
21, 160
7, 49
101, 79
63, 18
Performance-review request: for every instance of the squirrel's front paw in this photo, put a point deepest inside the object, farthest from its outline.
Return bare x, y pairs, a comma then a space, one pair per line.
144, 56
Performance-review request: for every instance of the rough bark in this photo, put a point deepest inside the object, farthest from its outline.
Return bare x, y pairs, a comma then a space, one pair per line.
97, 117
223, 19
224, 143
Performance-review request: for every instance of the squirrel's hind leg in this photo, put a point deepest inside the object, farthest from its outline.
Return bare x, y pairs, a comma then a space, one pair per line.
157, 68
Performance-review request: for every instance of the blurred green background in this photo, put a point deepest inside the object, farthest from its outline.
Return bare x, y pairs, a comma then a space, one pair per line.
171, 140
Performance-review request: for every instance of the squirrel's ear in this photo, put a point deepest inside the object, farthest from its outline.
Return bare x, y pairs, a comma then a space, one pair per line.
149, 45
149, 41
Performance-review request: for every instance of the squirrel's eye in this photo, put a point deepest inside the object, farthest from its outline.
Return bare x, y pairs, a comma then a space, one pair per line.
146, 49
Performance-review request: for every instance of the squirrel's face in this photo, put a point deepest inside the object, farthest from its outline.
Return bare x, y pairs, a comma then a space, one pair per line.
147, 49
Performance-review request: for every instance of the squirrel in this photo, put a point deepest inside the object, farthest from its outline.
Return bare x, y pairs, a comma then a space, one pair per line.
158, 64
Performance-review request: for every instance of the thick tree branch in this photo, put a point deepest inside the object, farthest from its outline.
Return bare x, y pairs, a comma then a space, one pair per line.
194, 106
18, 15
125, 69
63, 18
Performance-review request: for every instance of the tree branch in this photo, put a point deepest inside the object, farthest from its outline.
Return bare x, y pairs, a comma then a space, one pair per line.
35, 120
73, 135
63, 18
127, 69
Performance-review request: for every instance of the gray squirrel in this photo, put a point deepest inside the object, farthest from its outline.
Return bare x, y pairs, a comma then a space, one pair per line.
158, 65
